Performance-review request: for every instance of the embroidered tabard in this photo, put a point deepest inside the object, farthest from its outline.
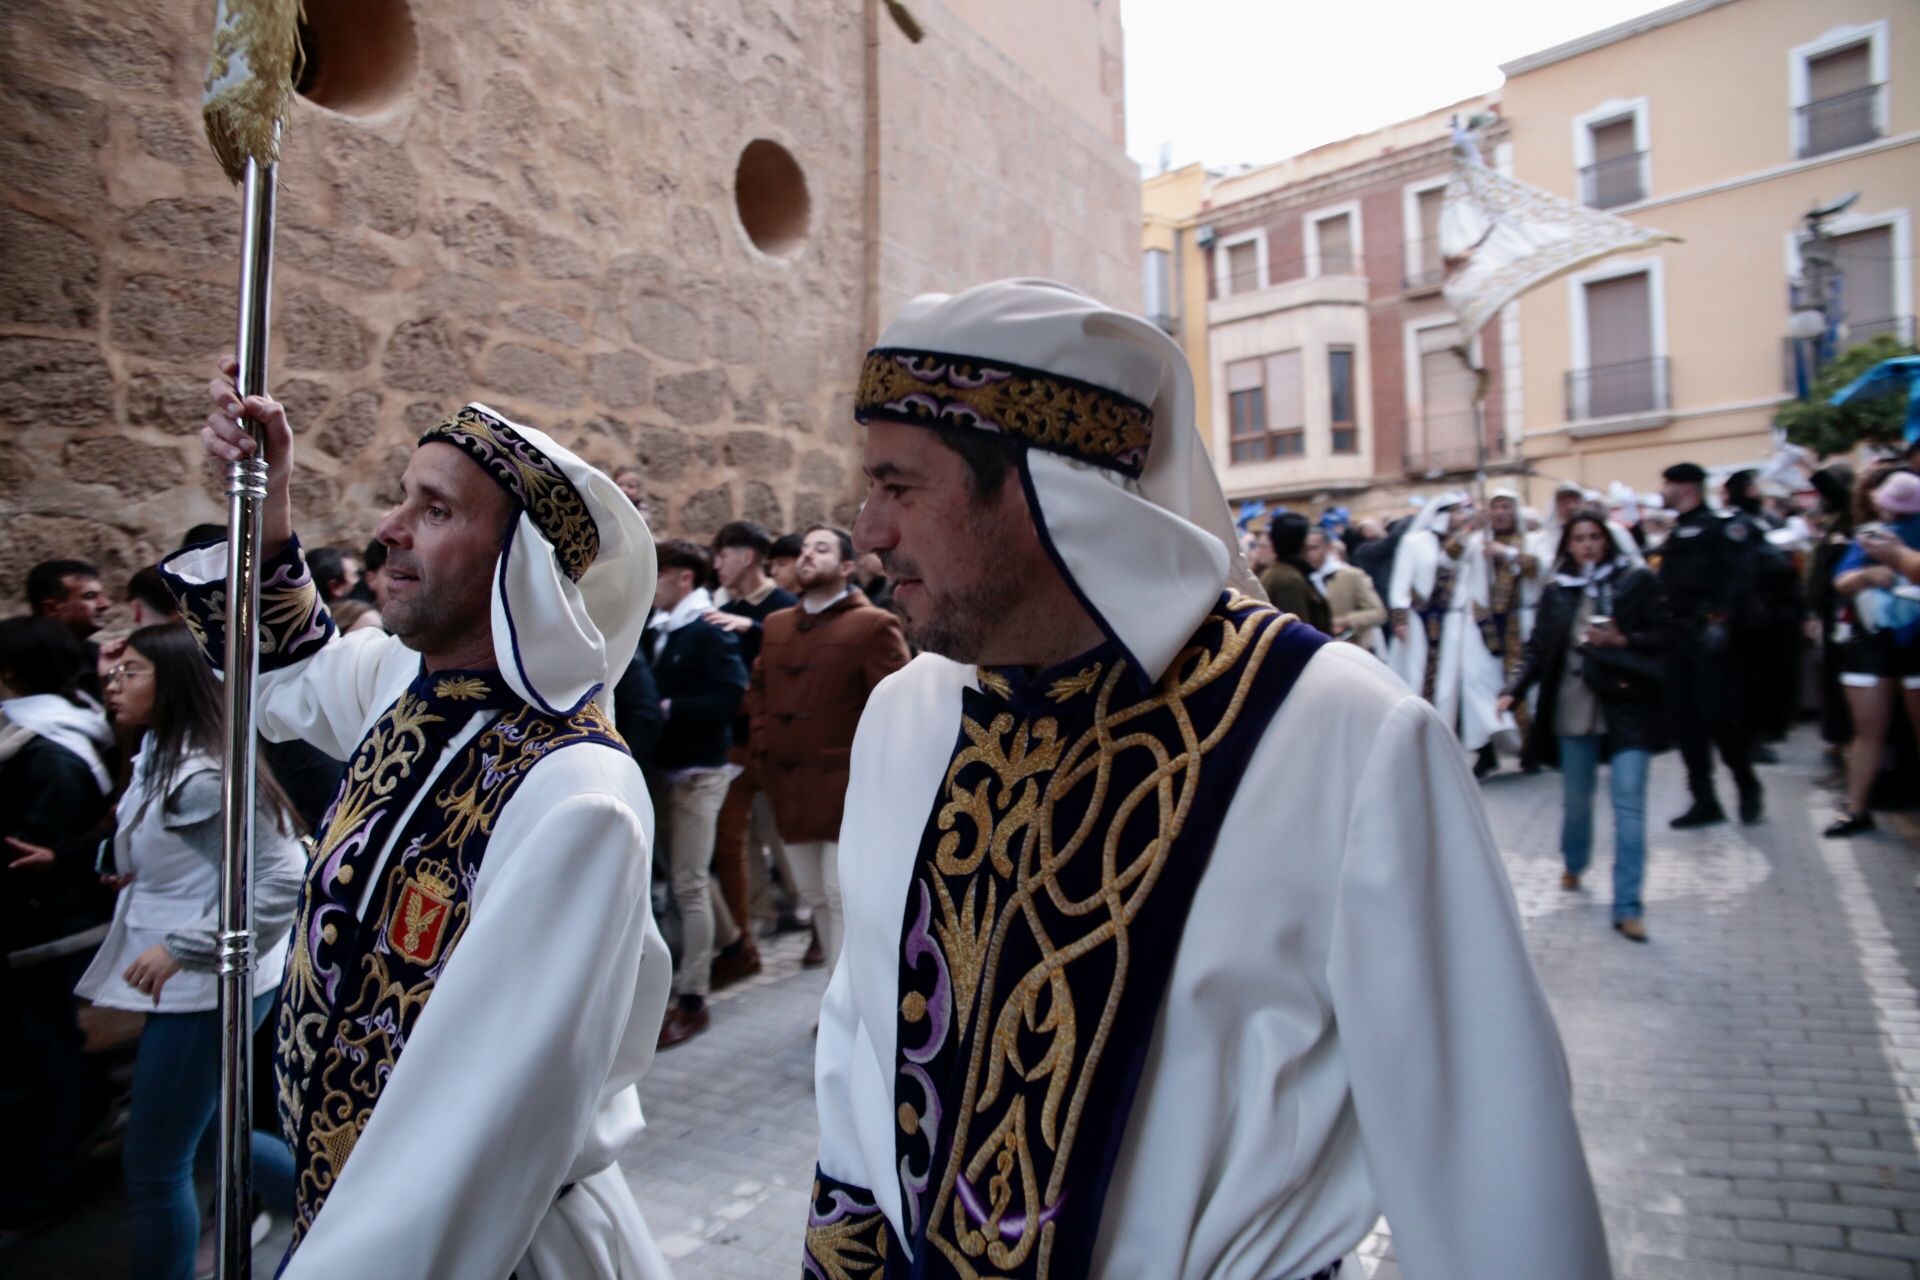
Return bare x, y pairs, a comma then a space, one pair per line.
356, 984
1049, 894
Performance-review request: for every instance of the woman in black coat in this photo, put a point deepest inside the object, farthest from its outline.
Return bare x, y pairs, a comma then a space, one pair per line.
1595, 654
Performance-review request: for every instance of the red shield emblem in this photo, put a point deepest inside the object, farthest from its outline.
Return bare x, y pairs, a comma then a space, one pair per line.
420, 917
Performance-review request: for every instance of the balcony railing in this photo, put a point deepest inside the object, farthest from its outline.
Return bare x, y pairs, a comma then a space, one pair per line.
1426, 269
1338, 262
1240, 282
1617, 390
1618, 181
1844, 120
1859, 331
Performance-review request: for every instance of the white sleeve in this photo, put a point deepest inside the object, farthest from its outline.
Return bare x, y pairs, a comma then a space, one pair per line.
1459, 1080
1412, 569
497, 1090
328, 698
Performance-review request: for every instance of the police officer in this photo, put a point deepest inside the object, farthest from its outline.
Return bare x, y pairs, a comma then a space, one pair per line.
1707, 565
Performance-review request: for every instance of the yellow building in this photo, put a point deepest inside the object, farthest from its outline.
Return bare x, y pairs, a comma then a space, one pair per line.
1723, 122
1174, 267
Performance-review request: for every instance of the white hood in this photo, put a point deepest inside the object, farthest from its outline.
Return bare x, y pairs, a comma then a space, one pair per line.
1145, 540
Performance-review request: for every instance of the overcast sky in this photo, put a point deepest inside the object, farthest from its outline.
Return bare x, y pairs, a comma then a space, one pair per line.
1246, 81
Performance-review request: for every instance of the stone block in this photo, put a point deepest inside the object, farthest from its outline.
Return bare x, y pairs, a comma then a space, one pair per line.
702, 514
132, 468
545, 322
193, 231
329, 254
665, 454
169, 403
168, 134
481, 232
736, 335
532, 374
351, 426
171, 317
320, 335
558, 258
48, 382
666, 328
620, 379
759, 503
48, 274
421, 356
50, 142
695, 397
758, 453
821, 469
377, 184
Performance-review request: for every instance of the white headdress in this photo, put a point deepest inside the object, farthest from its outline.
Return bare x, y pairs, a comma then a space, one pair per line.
575, 577
1123, 495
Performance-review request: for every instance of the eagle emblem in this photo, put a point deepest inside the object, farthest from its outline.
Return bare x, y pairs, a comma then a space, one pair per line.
419, 922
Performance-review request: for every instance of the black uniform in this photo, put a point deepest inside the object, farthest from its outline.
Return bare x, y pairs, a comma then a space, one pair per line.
1707, 568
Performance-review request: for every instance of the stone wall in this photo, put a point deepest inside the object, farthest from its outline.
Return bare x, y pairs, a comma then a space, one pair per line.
542, 218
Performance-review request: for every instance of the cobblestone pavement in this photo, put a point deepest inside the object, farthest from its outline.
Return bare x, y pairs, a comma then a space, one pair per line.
1748, 1083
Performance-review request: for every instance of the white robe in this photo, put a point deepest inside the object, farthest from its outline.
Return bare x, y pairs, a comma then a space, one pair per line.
1466, 679
1352, 1023
519, 1077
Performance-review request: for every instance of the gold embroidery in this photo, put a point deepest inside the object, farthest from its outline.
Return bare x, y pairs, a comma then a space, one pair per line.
461, 688
1074, 685
995, 683
1005, 821
854, 1248
1047, 411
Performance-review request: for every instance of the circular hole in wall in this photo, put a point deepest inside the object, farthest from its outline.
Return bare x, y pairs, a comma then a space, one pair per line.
770, 195
358, 55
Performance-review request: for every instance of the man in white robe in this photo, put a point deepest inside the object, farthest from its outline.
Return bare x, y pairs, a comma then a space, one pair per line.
1176, 942
1503, 582
477, 981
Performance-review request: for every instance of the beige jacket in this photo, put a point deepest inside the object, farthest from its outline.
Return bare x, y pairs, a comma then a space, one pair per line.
1355, 605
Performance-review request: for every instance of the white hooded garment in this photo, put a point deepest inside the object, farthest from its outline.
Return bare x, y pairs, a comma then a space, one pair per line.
519, 1078
1351, 1024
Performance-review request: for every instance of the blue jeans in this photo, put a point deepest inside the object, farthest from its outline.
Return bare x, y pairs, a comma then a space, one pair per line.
1579, 767
176, 1091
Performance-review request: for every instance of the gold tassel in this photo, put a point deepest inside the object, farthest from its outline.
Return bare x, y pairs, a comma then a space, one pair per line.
249, 86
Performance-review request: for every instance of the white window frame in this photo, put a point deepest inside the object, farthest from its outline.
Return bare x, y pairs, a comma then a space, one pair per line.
1416, 379
1310, 232
1901, 220
1223, 278
1411, 265
1655, 271
1606, 113
1799, 82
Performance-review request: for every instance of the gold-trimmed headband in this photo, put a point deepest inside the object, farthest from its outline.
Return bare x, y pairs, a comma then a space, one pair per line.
1046, 410
531, 478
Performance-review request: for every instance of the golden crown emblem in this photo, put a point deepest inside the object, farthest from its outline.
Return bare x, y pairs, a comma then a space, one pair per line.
435, 879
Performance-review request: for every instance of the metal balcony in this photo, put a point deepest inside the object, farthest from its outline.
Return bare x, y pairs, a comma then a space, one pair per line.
1844, 120
1427, 269
1610, 183
1618, 390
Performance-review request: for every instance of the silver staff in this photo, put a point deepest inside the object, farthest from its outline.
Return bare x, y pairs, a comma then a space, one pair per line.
249, 89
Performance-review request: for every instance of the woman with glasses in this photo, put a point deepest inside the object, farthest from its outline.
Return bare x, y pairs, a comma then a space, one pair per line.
1595, 655
158, 957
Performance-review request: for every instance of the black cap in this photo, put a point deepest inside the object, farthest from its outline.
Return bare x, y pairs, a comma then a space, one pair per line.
1685, 473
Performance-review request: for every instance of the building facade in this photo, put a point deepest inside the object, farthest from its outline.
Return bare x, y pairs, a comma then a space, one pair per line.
1308, 299
1723, 122
663, 232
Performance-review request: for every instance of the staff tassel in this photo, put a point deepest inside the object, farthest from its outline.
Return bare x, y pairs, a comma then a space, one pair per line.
249, 90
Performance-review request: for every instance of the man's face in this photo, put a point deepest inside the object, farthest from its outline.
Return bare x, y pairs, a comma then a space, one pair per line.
1459, 517
1260, 553
1316, 549
83, 611
733, 565
1504, 514
784, 572
442, 542
1565, 503
820, 565
960, 566
349, 578
377, 583
671, 587
629, 482
1678, 495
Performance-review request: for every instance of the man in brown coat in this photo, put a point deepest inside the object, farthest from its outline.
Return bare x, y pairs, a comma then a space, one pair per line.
818, 662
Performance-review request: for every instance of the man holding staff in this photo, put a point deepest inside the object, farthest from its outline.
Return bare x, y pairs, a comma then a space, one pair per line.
476, 980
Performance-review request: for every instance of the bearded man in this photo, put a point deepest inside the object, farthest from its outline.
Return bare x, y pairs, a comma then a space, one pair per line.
1177, 945
476, 980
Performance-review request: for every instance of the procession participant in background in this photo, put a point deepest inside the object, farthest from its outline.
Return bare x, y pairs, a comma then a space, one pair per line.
1098, 1012
476, 982
1288, 581
1504, 581
1420, 596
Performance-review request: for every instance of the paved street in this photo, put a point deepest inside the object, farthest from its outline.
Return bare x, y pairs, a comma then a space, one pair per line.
1748, 1083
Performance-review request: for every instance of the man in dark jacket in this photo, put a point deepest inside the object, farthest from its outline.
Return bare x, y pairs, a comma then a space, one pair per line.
699, 676
747, 596
818, 664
